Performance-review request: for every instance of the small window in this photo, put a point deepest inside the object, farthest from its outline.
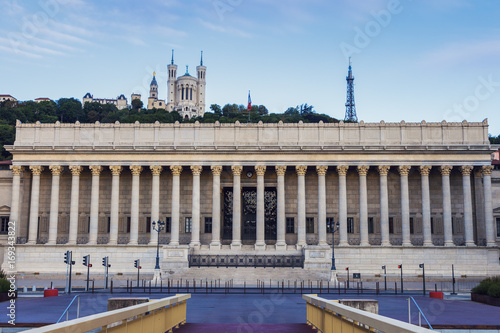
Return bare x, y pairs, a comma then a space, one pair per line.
88, 225
391, 225
167, 224
411, 226
109, 224
188, 224
148, 224
310, 225
330, 224
371, 227
432, 225
208, 225
4, 224
128, 224
290, 225
350, 225
498, 226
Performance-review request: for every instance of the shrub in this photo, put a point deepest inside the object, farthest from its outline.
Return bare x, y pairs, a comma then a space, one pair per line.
2, 274
494, 290
4, 285
485, 285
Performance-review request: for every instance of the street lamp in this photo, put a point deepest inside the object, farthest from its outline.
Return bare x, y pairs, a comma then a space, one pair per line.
333, 245
158, 226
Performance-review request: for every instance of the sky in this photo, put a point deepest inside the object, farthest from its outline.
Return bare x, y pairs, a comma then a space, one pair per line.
412, 60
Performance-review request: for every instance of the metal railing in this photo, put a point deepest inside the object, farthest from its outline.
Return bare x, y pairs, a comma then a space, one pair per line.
67, 309
420, 313
155, 316
245, 261
329, 316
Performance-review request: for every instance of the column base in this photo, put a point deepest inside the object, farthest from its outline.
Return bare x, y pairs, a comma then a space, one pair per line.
300, 246
260, 246
173, 243
153, 243
195, 245
470, 244
157, 276
428, 244
386, 244
343, 244
364, 244
280, 246
333, 276
407, 244
449, 244
215, 246
31, 243
50, 243
91, 243
236, 246
133, 243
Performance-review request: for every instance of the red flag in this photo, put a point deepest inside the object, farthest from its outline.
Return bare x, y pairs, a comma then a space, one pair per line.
249, 102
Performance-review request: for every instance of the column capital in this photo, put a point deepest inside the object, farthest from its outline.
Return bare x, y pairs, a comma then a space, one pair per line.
115, 169
95, 169
342, 170
383, 169
216, 170
363, 170
17, 169
156, 169
56, 170
486, 170
425, 170
176, 170
236, 169
445, 169
404, 170
466, 169
36, 169
321, 170
301, 170
280, 170
478, 173
260, 170
76, 170
196, 169
136, 170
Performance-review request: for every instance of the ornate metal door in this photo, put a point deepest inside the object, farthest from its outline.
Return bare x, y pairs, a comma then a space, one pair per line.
249, 211
227, 229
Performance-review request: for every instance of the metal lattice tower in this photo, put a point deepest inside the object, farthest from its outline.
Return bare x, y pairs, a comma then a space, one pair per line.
350, 107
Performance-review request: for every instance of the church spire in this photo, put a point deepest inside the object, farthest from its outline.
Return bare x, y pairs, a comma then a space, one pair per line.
201, 61
172, 62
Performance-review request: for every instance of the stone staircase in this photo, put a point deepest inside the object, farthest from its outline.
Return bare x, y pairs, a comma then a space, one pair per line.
255, 328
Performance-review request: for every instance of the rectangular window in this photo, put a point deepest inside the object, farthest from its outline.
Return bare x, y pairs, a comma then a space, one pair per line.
498, 226
411, 225
208, 225
432, 225
167, 224
310, 225
290, 225
188, 224
109, 224
88, 225
371, 227
4, 224
148, 224
391, 225
330, 224
350, 225
128, 224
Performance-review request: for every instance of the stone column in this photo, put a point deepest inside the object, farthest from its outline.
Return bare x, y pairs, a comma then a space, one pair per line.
363, 206
405, 205
76, 170
16, 187
260, 243
115, 203
301, 205
445, 176
488, 207
195, 206
383, 170
94, 204
155, 201
236, 242
342, 171
281, 217
468, 223
54, 204
134, 205
36, 170
216, 171
176, 193
426, 204
321, 171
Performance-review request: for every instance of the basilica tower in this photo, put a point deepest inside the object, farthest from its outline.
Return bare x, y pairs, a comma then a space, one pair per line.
172, 77
201, 86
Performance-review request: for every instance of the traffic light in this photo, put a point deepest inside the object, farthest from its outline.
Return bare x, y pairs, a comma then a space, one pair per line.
66, 257
383, 267
347, 268
421, 265
85, 261
105, 261
90, 265
137, 263
400, 266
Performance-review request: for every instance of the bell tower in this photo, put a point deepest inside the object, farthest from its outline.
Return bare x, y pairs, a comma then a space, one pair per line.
201, 70
172, 76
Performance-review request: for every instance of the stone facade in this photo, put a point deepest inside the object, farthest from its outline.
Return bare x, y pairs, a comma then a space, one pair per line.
401, 193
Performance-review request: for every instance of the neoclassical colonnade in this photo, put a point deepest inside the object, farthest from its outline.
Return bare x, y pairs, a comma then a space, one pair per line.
260, 171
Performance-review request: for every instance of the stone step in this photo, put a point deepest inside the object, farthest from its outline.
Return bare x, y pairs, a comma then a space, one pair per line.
256, 328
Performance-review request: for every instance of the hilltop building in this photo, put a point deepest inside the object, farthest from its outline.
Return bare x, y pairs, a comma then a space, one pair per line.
120, 101
153, 101
4, 98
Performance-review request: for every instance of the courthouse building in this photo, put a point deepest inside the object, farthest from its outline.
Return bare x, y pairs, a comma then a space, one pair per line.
256, 194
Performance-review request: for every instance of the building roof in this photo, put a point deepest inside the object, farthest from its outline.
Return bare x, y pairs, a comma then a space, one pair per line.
153, 81
87, 95
43, 99
7, 96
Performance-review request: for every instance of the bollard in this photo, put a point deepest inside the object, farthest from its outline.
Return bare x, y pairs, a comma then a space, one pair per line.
328, 287
51, 285
377, 288
111, 285
361, 286
93, 285
150, 287
161, 286
127, 286
395, 287
187, 286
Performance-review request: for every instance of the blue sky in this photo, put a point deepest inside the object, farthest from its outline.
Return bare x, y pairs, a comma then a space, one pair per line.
413, 60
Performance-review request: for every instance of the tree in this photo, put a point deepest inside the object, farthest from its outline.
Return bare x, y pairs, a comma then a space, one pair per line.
494, 139
137, 104
216, 109
70, 110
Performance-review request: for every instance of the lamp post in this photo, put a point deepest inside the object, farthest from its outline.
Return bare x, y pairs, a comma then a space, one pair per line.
337, 226
158, 226
423, 276
385, 277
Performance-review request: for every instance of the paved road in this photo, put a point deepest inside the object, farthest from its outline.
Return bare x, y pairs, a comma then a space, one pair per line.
257, 309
